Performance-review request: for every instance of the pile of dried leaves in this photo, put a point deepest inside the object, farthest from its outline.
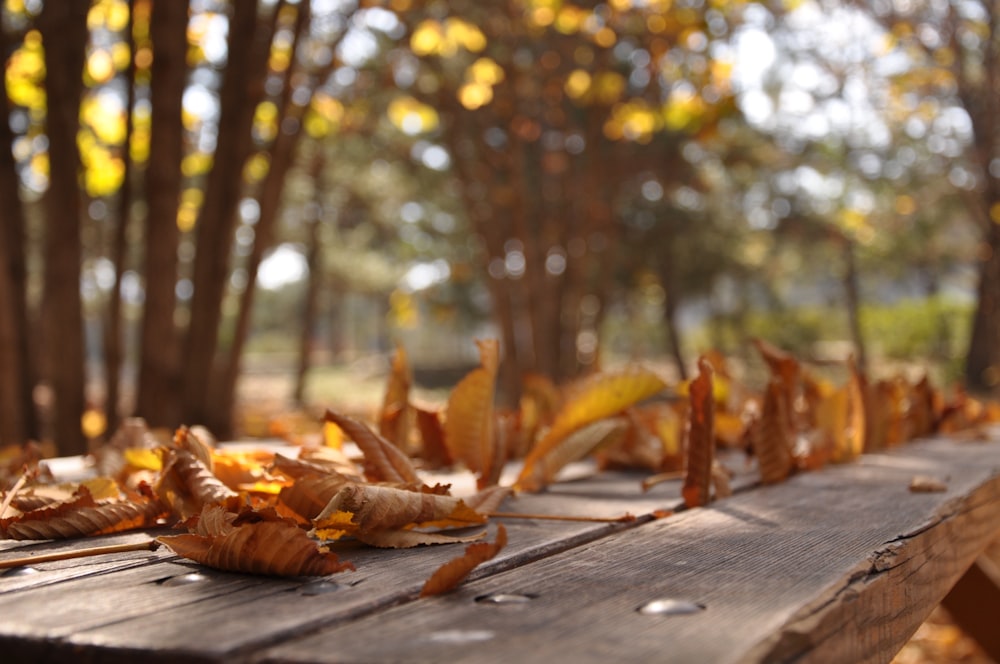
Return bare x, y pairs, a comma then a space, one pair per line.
265, 513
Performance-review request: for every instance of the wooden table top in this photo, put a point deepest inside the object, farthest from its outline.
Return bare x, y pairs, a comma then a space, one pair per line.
841, 564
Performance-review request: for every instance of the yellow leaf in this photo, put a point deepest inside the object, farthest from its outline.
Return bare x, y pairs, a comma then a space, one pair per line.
596, 398
468, 429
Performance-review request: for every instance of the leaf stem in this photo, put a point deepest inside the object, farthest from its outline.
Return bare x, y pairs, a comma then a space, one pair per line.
148, 545
564, 517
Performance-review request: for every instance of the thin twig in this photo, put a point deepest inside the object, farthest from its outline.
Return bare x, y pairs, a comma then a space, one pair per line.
148, 545
13, 492
563, 517
653, 480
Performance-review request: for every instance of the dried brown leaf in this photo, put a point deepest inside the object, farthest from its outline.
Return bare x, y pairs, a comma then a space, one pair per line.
82, 516
384, 508
700, 448
452, 573
187, 485
311, 493
596, 398
573, 447
407, 539
384, 462
276, 548
770, 437
469, 424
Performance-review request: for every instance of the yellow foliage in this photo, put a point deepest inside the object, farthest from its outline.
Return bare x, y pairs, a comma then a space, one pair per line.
403, 309
257, 167
570, 20
683, 110
577, 84
475, 95
995, 213
605, 37
484, 71
93, 423
411, 116
196, 163
25, 72
107, 123
265, 120
607, 87
432, 37
100, 66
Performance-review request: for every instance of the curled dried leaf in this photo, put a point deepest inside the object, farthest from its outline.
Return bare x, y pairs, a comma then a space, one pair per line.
771, 439
382, 508
469, 426
452, 573
927, 484
82, 516
700, 448
596, 398
187, 485
275, 548
310, 494
407, 539
573, 447
394, 418
384, 462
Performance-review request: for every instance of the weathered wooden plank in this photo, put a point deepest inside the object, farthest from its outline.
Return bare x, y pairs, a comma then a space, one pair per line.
154, 618
838, 565
37, 575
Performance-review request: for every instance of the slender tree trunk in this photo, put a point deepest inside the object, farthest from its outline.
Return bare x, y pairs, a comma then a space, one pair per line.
669, 283
242, 89
64, 32
160, 358
853, 303
282, 154
113, 325
309, 311
17, 412
982, 368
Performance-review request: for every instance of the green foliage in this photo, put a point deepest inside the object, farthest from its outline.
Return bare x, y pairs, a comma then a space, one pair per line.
934, 328
932, 331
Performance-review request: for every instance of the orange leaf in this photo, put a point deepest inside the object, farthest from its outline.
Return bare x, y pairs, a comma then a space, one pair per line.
771, 438
432, 447
596, 398
700, 439
82, 516
381, 507
407, 539
393, 419
187, 485
572, 447
452, 573
273, 547
384, 462
310, 494
468, 427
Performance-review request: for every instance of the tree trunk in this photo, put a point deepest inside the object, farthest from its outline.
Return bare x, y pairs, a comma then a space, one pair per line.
64, 32
282, 154
17, 412
309, 311
159, 367
852, 300
113, 325
982, 368
242, 89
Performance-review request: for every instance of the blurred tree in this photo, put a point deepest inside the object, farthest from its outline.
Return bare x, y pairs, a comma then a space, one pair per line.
63, 26
17, 409
954, 51
546, 109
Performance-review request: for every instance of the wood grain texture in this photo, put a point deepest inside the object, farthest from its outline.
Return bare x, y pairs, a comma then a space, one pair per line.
840, 565
133, 612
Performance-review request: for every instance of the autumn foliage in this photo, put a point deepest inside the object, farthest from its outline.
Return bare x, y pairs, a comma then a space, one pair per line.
286, 514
